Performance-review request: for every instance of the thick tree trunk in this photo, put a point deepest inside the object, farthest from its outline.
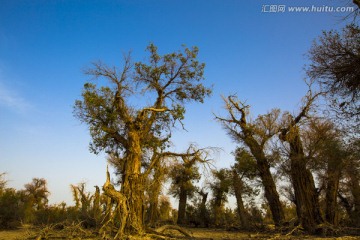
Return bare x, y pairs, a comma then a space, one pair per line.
271, 193
182, 206
307, 202
238, 185
132, 187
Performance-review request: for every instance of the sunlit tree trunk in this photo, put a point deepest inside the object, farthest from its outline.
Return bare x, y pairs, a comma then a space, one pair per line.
132, 186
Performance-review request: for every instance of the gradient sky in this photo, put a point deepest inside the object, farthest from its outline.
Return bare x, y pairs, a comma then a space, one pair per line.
45, 46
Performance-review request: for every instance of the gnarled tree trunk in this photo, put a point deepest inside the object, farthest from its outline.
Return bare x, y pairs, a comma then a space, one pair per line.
132, 186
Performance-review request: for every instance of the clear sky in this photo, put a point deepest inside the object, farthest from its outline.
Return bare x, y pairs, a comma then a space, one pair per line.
45, 45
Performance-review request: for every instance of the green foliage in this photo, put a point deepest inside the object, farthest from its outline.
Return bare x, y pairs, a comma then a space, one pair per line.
220, 187
183, 177
37, 193
168, 81
245, 164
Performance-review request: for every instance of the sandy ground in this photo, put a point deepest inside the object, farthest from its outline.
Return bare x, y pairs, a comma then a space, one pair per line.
199, 234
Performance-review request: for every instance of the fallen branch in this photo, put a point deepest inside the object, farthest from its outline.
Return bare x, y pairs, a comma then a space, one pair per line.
173, 227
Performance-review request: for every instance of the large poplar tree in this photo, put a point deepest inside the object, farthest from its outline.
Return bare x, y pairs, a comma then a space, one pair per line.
132, 114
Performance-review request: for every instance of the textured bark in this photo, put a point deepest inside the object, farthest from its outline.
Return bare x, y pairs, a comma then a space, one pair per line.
238, 189
132, 186
120, 211
307, 202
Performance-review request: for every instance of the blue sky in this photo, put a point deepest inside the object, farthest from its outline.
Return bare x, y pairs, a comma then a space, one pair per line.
45, 46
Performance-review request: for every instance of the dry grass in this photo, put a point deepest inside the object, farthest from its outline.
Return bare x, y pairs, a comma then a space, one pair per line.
13, 235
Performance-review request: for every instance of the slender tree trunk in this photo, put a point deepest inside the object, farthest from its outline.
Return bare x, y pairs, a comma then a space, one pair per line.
182, 206
307, 202
238, 185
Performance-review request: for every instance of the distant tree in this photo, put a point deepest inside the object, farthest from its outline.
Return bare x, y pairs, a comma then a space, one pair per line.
183, 186
183, 176
335, 65
37, 193
164, 209
11, 208
220, 187
255, 135
119, 125
203, 215
3, 182
243, 169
